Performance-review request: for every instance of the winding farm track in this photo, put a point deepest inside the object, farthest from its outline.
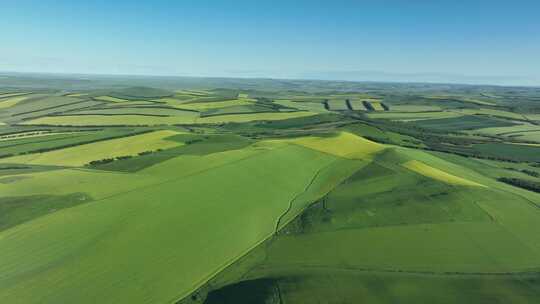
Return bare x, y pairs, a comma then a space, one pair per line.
291, 202
289, 207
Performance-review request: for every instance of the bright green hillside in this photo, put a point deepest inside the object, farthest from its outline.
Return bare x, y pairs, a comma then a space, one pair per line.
215, 191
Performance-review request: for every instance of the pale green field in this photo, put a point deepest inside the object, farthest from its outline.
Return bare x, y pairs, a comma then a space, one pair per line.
186, 117
315, 107
530, 136
491, 112
413, 116
83, 154
76, 94
98, 184
535, 117
5, 95
413, 108
9, 102
29, 135
174, 102
110, 99
93, 120
201, 106
471, 100
113, 254
251, 117
337, 104
509, 130
193, 92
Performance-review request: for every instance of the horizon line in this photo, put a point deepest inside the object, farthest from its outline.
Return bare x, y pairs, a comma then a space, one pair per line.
128, 75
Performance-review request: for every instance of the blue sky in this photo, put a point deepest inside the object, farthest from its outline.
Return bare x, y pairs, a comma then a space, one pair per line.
458, 41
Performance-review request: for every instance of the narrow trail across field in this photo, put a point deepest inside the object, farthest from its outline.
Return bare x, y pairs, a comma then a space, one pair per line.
291, 202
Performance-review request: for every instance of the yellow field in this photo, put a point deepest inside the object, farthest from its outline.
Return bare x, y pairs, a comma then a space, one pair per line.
6, 103
110, 98
83, 154
437, 174
345, 144
377, 105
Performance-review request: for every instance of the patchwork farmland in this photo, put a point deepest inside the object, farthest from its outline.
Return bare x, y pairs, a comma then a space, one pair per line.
262, 191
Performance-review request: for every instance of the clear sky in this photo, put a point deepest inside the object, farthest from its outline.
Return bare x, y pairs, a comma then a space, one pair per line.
418, 40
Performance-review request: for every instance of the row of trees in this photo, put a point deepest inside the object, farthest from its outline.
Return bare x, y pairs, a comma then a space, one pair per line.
522, 183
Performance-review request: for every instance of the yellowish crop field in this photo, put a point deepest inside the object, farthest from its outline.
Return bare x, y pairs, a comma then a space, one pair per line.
344, 144
437, 174
9, 102
83, 154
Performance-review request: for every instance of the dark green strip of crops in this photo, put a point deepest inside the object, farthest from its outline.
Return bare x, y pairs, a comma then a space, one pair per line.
15, 210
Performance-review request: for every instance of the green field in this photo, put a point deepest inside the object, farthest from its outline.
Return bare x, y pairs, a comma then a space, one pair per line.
214, 191
412, 116
467, 122
56, 140
11, 101
83, 154
184, 117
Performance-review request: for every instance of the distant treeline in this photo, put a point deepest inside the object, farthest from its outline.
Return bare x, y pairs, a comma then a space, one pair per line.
526, 171
521, 183
110, 160
108, 114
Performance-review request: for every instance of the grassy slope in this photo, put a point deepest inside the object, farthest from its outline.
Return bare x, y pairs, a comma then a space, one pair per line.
15, 210
387, 218
110, 246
